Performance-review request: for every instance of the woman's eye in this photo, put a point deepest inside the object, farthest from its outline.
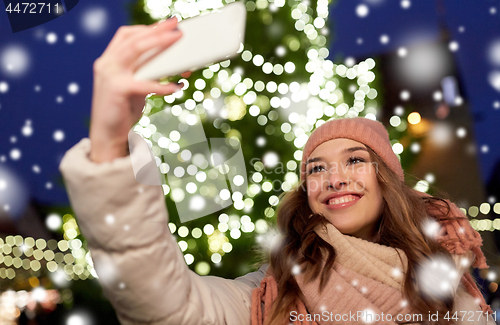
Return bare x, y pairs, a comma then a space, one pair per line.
355, 160
315, 169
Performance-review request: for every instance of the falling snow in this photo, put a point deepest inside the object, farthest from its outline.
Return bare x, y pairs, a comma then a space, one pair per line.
461, 132
109, 219
453, 46
94, 20
69, 38
415, 147
15, 154
404, 95
27, 130
430, 178
362, 10
405, 4
438, 96
396, 272
73, 88
4, 87
368, 316
431, 228
58, 135
14, 61
402, 52
399, 110
437, 278
260, 141
349, 61
51, 38
105, 269
53, 222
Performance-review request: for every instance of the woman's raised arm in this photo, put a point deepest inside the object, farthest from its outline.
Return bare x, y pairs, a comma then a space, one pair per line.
125, 223
140, 266
118, 99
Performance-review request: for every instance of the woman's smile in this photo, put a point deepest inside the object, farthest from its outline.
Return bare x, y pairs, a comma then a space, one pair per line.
341, 201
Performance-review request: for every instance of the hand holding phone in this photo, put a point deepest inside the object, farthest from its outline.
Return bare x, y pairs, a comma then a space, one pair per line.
117, 98
206, 39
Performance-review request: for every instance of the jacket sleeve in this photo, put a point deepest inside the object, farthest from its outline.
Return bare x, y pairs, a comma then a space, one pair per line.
468, 310
140, 266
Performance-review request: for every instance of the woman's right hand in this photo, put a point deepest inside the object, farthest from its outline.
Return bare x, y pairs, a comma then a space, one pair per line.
118, 99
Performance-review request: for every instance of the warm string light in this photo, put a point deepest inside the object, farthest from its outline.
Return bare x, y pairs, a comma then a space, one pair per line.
18, 254
484, 209
12, 303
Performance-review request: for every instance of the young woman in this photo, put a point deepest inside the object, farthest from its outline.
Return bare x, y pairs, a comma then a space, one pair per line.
354, 239
352, 235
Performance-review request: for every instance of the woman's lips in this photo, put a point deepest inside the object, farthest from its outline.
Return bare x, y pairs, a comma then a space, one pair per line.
342, 202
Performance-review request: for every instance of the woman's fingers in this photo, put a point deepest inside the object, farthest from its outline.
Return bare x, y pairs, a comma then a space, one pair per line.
126, 35
186, 74
163, 36
156, 28
136, 50
147, 87
121, 35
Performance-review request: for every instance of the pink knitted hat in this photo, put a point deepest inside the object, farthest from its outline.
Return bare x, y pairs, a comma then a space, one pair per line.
369, 132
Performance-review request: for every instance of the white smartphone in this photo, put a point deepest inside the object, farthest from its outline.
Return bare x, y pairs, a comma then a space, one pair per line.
205, 40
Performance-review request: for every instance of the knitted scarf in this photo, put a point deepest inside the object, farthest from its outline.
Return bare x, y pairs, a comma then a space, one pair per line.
368, 277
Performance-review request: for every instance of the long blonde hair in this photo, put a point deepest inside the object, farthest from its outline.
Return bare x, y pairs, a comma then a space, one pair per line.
400, 226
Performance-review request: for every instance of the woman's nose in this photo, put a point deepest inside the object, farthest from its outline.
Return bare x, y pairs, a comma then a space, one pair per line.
337, 180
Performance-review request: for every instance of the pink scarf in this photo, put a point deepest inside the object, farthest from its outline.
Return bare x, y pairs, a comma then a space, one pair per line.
368, 277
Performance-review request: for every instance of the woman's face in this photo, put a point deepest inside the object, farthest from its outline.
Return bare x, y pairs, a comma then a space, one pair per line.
342, 186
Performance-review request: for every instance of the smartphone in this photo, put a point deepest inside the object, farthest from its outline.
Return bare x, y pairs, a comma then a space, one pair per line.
206, 39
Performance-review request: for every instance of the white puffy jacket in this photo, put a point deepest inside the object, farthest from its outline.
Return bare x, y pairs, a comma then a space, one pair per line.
142, 270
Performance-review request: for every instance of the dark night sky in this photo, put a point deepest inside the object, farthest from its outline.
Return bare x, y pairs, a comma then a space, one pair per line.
474, 25
52, 67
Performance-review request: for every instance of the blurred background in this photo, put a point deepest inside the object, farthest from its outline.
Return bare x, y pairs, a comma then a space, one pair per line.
428, 70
